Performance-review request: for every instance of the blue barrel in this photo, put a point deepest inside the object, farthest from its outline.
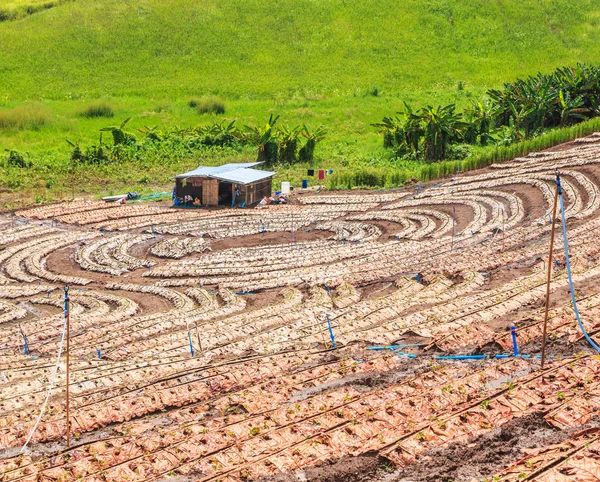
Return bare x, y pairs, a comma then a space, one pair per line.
304, 183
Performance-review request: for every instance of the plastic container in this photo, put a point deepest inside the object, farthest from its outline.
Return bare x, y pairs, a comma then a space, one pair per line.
304, 183
285, 187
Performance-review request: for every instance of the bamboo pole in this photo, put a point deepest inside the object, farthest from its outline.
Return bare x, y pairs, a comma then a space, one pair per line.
552, 230
68, 316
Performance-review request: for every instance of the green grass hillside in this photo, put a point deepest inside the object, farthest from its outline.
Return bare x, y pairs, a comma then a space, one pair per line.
278, 50
341, 63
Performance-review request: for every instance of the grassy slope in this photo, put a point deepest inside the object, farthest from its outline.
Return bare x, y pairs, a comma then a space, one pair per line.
311, 61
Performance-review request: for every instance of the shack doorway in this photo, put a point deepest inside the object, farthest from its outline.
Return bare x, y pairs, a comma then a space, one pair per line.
225, 193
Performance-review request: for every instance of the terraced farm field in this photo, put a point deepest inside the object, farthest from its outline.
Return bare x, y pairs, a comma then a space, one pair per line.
308, 341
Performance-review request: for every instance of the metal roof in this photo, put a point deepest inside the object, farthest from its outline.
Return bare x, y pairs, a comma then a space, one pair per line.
211, 171
243, 176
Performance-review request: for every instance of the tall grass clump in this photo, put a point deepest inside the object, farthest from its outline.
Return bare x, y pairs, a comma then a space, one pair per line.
28, 116
420, 171
546, 140
22, 11
207, 105
97, 109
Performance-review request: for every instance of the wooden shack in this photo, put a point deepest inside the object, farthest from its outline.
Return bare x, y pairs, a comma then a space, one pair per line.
225, 185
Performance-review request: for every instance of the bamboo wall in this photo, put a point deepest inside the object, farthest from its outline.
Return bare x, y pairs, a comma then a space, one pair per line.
253, 193
210, 192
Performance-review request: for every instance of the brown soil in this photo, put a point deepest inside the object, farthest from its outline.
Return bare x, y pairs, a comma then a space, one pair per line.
408, 367
532, 198
481, 456
506, 274
388, 228
270, 239
148, 303
475, 459
463, 215
62, 261
377, 290
263, 299
345, 469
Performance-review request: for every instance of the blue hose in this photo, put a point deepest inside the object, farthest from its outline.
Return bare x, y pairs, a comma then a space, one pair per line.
330, 331
191, 346
390, 347
462, 357
568, 264
407, 355
513, 332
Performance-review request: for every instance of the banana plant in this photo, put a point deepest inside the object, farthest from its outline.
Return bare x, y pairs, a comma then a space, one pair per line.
441, 127
76, 155
392, 129
152, 134
479, 123
571, 109
307, 151
264, 138
288, 143
119, 135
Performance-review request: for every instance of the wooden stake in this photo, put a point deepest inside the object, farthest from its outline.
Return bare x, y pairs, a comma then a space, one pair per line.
68, 316
453, 228
198, 335
503, 230
549, 276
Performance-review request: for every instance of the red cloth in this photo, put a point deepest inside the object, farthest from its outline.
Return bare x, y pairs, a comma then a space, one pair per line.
321, 174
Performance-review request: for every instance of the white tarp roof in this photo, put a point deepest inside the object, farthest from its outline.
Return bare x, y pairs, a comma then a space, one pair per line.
243, 176
211, 171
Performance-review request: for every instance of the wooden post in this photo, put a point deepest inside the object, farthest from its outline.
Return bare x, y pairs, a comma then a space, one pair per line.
453, 228
549, 276
198, 335
292, 227
502, 230
68, 317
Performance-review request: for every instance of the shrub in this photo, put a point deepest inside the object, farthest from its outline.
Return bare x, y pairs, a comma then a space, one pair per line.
97, 109
27, 116
458, 151
16, 159
6, 14
208, 105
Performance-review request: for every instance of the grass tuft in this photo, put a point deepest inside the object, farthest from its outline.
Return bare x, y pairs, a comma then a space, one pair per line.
207, 105
24, 117
22, 9
97, 109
